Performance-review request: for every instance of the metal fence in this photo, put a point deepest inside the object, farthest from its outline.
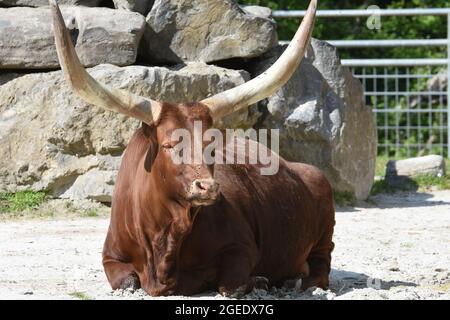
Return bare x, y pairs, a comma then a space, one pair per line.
412, 115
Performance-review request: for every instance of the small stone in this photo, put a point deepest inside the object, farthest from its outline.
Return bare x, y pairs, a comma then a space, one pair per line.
258, 11
399, 172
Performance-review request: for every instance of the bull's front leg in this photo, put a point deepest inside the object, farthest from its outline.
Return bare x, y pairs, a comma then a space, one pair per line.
166, 268
120, 275
120, 272
166, 248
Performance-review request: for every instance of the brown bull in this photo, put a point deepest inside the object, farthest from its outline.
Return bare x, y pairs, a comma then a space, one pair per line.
186, 228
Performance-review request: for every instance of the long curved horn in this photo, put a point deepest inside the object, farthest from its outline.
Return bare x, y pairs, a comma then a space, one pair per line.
270, 81
88, 88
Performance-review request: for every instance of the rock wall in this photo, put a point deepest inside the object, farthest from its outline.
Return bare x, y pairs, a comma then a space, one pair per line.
51, 140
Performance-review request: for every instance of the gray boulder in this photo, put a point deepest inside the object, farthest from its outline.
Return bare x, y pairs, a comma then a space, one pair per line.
102, 35
205, 30
96, 184
43, 3
399, 172
51, 140
141, 6
323, 119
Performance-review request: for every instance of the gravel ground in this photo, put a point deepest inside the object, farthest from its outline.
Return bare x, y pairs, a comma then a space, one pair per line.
395, 247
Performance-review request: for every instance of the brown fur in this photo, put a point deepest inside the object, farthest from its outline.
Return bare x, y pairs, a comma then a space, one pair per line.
279, 227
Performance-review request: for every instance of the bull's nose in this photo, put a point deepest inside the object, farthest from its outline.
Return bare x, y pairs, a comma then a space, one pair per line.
205, 187
204, 192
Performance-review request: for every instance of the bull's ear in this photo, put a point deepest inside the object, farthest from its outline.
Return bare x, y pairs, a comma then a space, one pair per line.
150, 133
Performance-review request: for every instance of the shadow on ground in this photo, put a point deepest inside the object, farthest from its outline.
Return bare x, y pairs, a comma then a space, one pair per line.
406, 200
342, 282
401, 199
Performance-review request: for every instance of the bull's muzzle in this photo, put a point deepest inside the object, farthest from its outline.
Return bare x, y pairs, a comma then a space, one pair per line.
203, 192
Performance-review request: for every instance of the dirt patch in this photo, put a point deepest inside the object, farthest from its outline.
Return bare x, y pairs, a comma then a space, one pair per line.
398, 247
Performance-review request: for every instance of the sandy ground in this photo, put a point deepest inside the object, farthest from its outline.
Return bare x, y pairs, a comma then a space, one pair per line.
396, 247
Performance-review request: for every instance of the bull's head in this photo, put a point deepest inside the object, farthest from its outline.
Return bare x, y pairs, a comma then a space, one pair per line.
188, 183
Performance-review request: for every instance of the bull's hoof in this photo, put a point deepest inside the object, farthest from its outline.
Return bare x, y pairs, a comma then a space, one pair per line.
319, 282
236, 293
260, 283
164, 292
131, 282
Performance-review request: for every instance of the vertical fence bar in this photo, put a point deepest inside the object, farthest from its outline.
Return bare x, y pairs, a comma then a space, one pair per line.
441, 124
419, 125
431, 137
386, 106
448, 86
397, 114
408, 113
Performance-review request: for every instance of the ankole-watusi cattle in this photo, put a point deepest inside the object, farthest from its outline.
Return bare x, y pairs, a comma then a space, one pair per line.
187, 228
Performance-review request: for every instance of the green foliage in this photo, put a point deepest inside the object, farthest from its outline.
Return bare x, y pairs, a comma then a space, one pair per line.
421, 184
355, 28
20, 201
80, 295
382, 187
343, 199
402, 125
92, 213
380, 167
431, 182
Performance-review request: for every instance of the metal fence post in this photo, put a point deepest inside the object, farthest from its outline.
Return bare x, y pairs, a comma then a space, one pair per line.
448, 86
